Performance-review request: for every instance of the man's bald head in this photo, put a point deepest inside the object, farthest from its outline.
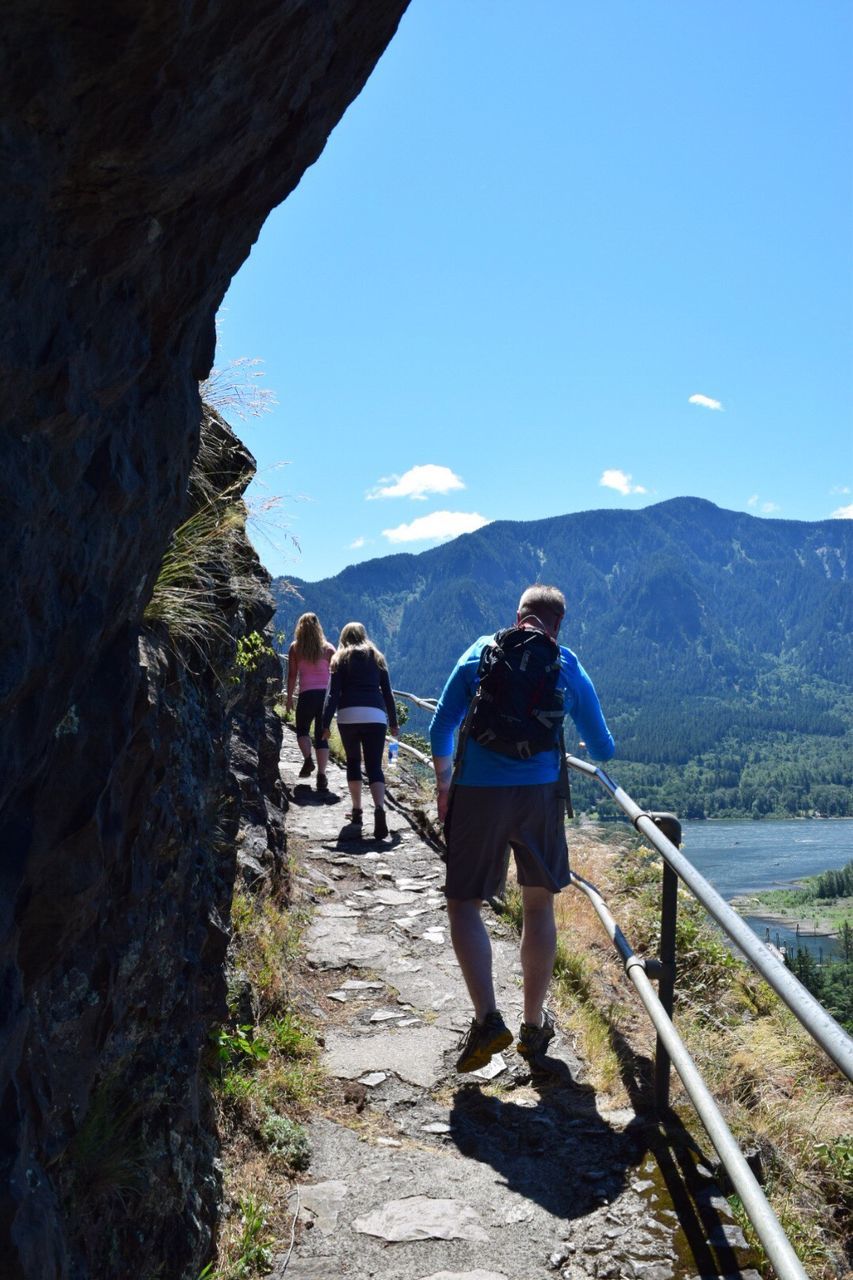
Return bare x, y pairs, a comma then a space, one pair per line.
547, 604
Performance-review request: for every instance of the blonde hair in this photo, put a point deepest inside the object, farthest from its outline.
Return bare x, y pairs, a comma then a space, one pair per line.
308, 639
354, 638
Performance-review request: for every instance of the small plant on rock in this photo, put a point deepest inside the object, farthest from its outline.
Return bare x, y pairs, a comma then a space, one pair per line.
285, 1138
251, 649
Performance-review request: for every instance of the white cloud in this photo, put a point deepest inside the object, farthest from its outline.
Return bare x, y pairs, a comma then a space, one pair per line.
766, 508
620, 481
843, 513
356, 543
840, 488
706, 402
437, 525
416, 483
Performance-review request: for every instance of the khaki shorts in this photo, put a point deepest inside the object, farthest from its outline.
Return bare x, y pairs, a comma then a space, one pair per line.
484, 820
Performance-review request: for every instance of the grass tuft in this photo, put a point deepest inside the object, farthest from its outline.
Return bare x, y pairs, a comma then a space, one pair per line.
105, 1157
194, 573
266, 1079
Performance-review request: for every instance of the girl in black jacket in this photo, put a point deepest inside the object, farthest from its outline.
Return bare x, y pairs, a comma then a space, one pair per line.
360, 694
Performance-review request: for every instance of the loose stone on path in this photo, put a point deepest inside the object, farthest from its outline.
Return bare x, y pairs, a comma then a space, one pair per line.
323, 1203
420, 1218
415, 1054
466, 1275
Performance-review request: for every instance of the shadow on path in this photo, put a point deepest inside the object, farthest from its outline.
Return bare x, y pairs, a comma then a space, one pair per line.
561, 1154
557, 1152
303, 793
354, 840
684, 1170
350, 838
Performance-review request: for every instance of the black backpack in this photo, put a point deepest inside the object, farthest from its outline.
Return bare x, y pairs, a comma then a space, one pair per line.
518, 709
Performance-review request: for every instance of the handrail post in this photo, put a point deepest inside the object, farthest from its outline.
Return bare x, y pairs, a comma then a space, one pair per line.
671, 828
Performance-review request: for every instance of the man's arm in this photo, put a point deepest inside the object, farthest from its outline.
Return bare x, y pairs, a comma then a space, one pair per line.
589, 718
443, 766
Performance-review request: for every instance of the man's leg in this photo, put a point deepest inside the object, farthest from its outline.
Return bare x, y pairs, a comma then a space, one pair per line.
488, 1034
473, 949
470, 878
538, 948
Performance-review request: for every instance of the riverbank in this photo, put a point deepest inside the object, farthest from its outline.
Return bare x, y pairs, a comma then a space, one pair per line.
814, 918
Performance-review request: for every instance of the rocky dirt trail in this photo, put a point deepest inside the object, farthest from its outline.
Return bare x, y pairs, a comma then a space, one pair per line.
440, 1176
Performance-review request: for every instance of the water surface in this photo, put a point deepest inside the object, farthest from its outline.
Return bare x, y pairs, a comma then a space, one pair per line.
748, 857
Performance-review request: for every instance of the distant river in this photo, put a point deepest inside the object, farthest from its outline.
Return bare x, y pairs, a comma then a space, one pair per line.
746, 857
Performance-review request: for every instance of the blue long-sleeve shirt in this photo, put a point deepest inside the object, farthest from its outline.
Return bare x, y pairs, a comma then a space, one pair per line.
484, 768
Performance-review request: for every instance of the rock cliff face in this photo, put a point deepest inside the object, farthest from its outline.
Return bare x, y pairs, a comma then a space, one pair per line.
143, 145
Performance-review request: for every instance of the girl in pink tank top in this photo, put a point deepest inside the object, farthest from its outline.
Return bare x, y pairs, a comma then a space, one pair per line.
308, 661
314, 675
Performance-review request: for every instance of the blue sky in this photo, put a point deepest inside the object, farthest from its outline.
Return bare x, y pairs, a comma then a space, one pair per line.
558, 257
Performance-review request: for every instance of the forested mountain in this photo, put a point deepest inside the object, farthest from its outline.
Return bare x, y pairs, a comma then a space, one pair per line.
721, 644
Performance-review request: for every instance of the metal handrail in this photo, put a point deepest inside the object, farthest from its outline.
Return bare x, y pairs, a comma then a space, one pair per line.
755, 1203
820, 1024
413, 751
671, 1049
426, 704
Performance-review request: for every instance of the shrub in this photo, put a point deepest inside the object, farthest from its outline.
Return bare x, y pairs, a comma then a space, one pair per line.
286, 1139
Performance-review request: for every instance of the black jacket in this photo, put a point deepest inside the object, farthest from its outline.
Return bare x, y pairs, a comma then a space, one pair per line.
359, 681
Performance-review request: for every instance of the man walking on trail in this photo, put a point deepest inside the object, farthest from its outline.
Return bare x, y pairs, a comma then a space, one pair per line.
508, 786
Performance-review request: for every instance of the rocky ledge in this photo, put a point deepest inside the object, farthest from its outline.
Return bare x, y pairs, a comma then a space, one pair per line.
143, 146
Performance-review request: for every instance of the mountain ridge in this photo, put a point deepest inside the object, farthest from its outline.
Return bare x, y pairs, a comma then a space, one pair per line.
668, 505
700, 627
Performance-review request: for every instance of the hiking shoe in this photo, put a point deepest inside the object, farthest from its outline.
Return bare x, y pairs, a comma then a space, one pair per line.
322, 782
482, 1040
380, 825
533, 1040
307, 768
355, 818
